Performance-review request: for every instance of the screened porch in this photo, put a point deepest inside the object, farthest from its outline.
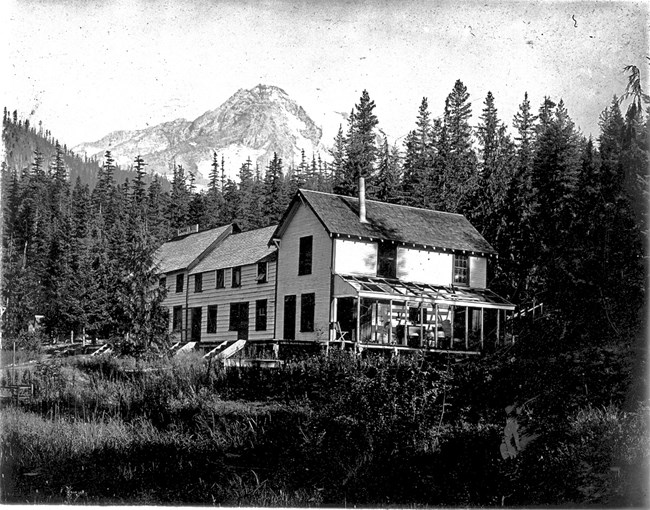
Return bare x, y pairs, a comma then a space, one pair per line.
374, 312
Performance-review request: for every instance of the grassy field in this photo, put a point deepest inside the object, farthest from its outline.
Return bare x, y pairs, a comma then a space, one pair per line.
340, 430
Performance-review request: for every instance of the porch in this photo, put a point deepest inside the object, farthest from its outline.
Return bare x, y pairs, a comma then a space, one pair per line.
382, 313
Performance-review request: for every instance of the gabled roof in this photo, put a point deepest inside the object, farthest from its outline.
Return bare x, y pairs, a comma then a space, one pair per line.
179, 253
403, 224
239, 250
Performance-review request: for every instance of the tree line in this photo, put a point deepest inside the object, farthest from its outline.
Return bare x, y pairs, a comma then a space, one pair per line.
562, 210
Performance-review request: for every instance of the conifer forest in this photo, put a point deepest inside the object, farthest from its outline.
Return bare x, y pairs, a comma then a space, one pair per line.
566, 213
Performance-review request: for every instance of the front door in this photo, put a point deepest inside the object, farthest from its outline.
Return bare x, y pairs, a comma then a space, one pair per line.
196, 324
289, 317
242, 329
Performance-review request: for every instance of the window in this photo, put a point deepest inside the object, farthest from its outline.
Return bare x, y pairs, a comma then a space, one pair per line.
461, 270
198, 282
177, 318
260, 315
261, 272
238, 316
180, 279
304, 255
221, 280
162, 282
386, 260
236, 276
212, 319
307, 302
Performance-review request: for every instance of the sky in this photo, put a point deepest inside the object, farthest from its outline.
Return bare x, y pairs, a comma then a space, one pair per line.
87, 67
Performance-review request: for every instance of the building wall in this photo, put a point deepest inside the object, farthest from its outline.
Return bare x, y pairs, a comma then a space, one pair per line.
305, 223
174, 298
355, 257
426, 266
250, 291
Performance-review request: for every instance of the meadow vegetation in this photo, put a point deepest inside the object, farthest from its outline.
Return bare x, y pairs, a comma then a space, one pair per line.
332, 430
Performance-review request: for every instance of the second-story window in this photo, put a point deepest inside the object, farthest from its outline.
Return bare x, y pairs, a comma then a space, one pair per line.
305, 255
198, 282
236, 276
221, 279
461, 270
162, 282
180, 279
261, 272
387, 260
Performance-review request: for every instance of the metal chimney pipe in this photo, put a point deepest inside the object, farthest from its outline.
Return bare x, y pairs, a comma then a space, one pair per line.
362, 200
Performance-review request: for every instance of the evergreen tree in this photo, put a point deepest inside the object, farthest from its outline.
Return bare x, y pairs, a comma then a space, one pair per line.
459, 176
387, 184
361, 149
275, 197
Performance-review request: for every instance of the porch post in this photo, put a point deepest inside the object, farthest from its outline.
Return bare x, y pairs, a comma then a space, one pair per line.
435, 310
482, 311
358, 319
450, 314
333, 318
498, 326
466, 327
390, 321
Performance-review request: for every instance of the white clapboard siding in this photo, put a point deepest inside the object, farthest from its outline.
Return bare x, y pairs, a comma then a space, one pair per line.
250, 291
305, 223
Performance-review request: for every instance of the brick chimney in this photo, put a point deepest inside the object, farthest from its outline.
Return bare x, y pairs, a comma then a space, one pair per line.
362, 200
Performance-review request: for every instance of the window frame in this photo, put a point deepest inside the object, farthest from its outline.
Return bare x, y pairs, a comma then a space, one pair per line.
235, 271
305, 255
461, 269
262, 276
236, 313
211, 322
180, 278
220, 277
198, 282
387, 259
307, 312
177, 320
261, 319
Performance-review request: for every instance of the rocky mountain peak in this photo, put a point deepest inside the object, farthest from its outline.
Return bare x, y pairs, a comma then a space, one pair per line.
252, 123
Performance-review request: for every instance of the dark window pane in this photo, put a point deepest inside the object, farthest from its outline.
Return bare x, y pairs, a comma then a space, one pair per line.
307, 303
198, 282
180, 279
238, 316
236, 276
220, 279
260, 315
212, 319
177, 318
261, 272
387, 260
305, 255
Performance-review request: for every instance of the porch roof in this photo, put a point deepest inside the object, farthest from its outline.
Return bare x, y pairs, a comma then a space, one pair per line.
400, 290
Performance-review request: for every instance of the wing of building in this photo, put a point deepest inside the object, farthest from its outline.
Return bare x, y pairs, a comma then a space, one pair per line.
339, 270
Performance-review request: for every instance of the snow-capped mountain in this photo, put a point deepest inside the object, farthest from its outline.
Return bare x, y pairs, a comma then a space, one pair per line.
252, 123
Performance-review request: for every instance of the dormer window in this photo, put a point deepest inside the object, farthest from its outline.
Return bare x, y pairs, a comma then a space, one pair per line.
387, 260
461, 269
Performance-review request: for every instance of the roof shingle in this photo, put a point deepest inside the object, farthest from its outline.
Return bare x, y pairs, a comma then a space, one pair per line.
340, 215
238, 250
179, 253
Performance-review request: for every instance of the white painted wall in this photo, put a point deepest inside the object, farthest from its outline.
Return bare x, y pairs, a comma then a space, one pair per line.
355, 257
426, 266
